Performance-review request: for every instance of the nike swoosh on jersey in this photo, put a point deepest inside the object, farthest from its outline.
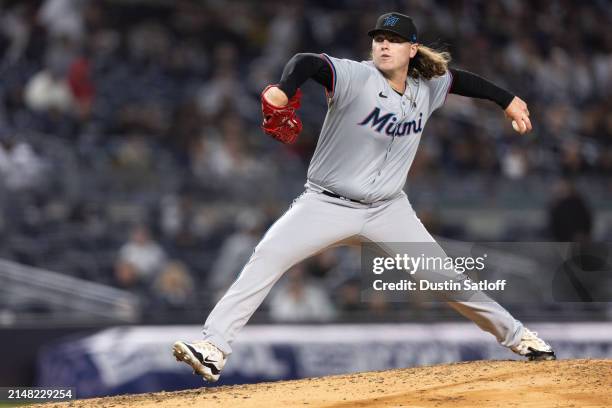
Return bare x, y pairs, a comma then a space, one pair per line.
381, 95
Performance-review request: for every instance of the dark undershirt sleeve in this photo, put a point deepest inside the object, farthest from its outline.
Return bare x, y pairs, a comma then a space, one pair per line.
304, 66
468, 84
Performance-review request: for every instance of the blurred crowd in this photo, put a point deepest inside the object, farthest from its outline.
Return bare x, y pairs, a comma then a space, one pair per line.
131, 154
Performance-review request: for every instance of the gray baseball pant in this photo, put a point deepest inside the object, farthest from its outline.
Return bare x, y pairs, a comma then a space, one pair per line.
315, 222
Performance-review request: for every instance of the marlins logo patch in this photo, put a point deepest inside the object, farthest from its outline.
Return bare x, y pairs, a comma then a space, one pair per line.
390, 21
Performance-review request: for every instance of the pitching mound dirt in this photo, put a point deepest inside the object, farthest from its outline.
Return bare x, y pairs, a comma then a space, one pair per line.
568, 383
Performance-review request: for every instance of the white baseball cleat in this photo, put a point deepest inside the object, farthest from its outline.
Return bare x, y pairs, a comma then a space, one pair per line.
533, 347
203, 356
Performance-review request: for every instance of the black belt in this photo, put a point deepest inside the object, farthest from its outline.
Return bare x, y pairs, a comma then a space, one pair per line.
330, 194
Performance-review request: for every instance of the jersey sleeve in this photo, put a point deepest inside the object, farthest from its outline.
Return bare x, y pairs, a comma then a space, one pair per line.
348, 80
439, 88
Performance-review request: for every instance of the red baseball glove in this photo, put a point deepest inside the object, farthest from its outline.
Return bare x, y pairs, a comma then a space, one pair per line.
282, 122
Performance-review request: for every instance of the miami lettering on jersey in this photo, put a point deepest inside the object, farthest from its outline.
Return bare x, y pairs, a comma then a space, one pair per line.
387, 124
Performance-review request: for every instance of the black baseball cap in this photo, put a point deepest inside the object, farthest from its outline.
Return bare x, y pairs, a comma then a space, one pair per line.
396, 23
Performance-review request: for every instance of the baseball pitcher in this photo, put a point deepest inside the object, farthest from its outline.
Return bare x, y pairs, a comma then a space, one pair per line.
377, 111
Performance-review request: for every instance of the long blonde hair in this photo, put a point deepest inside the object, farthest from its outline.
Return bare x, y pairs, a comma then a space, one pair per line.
428, 63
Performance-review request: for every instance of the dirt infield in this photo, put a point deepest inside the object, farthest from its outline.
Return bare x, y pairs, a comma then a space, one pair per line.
567, 383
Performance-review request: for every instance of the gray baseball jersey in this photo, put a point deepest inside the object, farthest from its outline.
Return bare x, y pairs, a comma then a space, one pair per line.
371, 133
